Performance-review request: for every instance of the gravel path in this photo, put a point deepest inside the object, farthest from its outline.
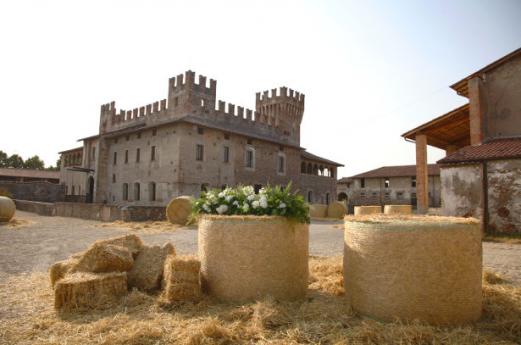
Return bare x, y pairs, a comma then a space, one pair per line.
45, 240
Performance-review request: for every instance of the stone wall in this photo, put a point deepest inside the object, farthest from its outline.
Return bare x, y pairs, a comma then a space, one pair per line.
35, 191
41, 208
319, 186
504, 196
461, 189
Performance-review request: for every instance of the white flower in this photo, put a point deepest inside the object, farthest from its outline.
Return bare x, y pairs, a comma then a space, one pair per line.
236, 203
263, 202
255, 204
282, 205
221, 209
221, 195
245, 207
250, 197
262, 191
207, 208
229, 198
248, 190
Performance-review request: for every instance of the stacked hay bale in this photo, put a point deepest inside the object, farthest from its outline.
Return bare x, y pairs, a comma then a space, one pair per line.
363, 210
337, 210
7, 209
414, 267
103, 273
181, 279
179, 209
398, 209
317, 211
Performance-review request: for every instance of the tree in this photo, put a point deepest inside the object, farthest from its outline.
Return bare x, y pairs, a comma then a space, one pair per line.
15, 161
34, 162
57, 167
3, 159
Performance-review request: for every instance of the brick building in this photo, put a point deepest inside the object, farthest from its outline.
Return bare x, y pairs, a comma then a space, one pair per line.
481, 174
190, 142
389, 185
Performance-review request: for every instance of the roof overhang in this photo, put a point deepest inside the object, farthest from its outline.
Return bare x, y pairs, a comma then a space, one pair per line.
451, 130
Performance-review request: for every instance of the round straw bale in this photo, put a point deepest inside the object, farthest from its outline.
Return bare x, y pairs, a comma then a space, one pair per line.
414, 267
102, 257
250, 257
336, 209
361, 210
317, 211
89, 290
132, 242
397, 209
179, 209
147, 271
7, 209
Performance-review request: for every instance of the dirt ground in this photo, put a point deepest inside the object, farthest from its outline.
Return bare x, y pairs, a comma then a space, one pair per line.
34, 242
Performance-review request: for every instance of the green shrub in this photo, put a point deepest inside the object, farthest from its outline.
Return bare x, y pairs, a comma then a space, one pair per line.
242, 200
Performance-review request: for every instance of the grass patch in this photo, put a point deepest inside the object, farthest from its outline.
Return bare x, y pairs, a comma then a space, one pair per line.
503, 238
27, 317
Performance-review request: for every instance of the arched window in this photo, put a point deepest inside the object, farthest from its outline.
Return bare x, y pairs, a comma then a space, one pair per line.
327, 198
303, 167
125, 191
310, 169
315, 169
137, 191
152, 191
310, 196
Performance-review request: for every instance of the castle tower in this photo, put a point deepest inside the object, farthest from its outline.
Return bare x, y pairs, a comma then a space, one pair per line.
283, 110
107, 113
186, 96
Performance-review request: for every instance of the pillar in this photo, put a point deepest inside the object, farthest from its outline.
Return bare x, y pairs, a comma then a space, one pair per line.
476, 111
422, 174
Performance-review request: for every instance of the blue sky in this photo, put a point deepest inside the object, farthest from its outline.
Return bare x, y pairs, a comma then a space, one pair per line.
370, 70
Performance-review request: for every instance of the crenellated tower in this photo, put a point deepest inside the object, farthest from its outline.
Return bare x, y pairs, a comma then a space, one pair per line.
284, 109
185, 95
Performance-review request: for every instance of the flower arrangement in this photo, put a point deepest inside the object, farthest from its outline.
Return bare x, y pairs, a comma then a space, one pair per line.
242, 200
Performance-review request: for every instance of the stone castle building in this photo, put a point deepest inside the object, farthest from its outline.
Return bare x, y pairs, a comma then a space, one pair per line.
389, 185
190, 142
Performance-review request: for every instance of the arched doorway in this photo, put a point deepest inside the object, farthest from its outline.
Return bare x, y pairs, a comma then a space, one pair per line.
90, 190
342, 196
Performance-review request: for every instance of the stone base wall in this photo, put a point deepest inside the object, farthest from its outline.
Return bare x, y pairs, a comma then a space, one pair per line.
41, 208
34, 191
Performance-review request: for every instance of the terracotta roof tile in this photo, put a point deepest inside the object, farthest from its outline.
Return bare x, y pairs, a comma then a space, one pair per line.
496, 149
396, 171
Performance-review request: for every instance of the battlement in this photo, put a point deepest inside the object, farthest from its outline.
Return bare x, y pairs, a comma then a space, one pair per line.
188, 80
282, 94
229, 112
156, 108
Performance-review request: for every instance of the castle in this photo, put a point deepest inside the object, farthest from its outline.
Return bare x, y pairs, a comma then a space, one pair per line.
189, 143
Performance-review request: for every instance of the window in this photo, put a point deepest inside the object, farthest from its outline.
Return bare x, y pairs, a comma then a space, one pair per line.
127, 137
362, 183
199, 152
137, 191
138, 155
116, 140
310, 196
257, 188
281, 164
373, 194
303, 168
362, 194
93, 153
249, 142
399, 195
202, 102
387, 194
226, 136
327, 198
348, 185
72, 193
126, 156
125, 191
152, 191
413, 181
332, 172
113, 178
250, 158
387, 182
176, 101
226, 157
153, 153
200, 130
154, 132
115, 158
139, 135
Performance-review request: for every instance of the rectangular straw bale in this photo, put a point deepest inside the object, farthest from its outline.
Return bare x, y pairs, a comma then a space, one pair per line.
147, 271
59, 269
181, 279
103, 257
132, 242
89, 290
